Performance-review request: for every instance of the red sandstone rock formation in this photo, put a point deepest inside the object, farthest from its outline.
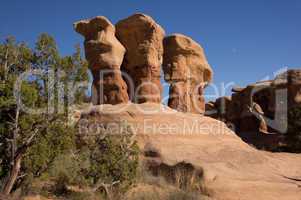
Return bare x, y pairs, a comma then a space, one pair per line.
187, 70
243, 110
142, 38
104, 54
278, 95
260, 108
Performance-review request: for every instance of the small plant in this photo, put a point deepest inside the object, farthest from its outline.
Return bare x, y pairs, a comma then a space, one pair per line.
183, 175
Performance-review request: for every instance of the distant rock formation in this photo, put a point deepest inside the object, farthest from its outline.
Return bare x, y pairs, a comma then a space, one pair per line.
186, 69
143, 40
249, 107
105, 55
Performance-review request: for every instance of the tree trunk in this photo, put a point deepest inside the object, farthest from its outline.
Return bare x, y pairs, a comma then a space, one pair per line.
13, 175
16, 157
4, 197
15, 133
6, 65
16, 166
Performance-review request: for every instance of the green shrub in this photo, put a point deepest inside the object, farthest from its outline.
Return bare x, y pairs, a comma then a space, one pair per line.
17, 126
71, 166
111, 158
56, 140
98, 160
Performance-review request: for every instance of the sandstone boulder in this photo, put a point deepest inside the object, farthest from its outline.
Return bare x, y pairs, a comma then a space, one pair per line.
258, 112
187, 70
143, 39
242, 111
105, 55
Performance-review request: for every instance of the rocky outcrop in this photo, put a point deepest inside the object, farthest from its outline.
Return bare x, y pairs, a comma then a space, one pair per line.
202, 147
242, 108
105, 55
138, 51
187, 70
243, 111
258, 112
219, 109
143, 39
248, 107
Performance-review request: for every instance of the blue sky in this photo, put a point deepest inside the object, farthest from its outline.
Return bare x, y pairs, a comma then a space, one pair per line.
244, 40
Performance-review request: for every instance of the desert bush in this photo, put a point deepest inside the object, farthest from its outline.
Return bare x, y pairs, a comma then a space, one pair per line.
147, 178
176, 182
70, 166
56, 140
111, 158
101, 164
183, 175
34, 140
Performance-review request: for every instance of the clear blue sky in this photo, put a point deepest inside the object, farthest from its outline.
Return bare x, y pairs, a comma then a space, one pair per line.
244, 40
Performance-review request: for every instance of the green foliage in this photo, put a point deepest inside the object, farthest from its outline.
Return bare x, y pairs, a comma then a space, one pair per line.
15, 58
99, 160
110, 162
46, 55
53, 141
293, 136
52, 135
69, 167
53, 154
75, 71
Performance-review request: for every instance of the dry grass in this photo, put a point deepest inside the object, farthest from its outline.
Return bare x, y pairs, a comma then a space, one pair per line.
179, 182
